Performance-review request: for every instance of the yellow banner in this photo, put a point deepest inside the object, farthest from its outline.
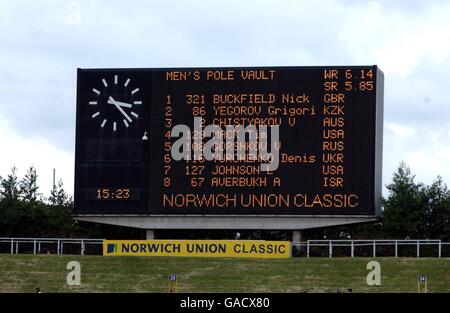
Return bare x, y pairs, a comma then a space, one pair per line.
198, 248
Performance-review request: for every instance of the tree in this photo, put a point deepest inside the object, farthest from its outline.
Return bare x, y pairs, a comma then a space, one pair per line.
9, 187
404, 209
9, 203
438, 210
58, 195
28, 185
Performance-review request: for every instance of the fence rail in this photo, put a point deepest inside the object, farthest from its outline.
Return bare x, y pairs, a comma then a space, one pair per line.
353, 244
23, 245
57, 243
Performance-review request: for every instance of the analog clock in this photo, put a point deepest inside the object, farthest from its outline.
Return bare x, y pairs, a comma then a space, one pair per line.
115, 102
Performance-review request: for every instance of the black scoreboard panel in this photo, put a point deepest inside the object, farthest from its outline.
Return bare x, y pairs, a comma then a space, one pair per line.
329, 121
111, 160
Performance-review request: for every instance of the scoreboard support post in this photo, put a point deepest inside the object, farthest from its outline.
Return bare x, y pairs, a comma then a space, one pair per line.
296, 236
149, 234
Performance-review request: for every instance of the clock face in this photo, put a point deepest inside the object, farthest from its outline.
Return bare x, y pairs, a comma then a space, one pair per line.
115, 102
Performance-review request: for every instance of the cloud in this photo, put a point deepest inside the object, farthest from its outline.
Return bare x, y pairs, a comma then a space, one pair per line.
23, 151
424, 148
399, 130
397, 40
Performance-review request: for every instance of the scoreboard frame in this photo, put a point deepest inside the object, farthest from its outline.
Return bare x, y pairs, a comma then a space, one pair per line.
144, 218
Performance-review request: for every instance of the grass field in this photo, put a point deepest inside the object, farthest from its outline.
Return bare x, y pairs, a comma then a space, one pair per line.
24, 273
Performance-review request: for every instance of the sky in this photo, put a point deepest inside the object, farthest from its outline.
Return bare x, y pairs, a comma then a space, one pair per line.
42, 43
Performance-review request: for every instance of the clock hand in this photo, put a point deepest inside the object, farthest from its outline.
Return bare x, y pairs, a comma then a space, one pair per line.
122, 104
121, 111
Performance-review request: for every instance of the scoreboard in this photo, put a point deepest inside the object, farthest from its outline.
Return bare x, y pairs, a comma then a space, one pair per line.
229, 141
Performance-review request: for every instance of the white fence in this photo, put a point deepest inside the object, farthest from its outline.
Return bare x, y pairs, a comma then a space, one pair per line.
14, 245
373, 244
57, 243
